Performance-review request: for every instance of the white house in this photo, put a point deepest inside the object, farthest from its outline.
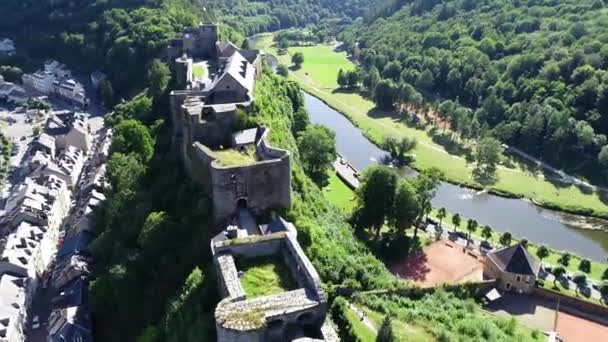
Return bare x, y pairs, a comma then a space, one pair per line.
41, 80
60, 70
71, 90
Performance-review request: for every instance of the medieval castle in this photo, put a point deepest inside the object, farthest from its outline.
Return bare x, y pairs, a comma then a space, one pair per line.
247, 180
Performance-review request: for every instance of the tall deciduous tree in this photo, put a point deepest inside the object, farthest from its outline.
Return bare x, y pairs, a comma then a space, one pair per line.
158, 77
297, 59
505, 239
384, 94
317, 146
376, 197
488, 156
131, 136
406, 207
542, 252
426, 186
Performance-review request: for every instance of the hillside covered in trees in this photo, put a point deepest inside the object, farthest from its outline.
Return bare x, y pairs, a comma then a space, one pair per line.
533, 73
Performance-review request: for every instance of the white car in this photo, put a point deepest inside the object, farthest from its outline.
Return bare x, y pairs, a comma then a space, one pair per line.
35, 322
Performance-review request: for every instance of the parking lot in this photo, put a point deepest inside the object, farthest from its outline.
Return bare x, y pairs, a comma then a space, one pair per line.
540, 314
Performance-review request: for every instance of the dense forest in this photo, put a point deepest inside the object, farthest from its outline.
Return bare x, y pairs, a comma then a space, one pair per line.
532, 73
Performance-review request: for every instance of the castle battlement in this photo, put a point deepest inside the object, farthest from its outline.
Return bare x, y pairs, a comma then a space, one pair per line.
297, 312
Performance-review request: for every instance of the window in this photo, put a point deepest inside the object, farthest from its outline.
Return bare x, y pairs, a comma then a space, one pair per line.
518, 279
508, 286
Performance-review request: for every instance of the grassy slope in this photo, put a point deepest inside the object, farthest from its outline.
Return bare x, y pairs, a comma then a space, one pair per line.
318, 77
403, 331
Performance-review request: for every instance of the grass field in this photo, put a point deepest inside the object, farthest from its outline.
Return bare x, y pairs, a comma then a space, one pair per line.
337, 193
318, 77
199, 71
264, 276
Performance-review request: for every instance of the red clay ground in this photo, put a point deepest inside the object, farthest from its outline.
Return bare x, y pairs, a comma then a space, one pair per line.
576, 329
443, 262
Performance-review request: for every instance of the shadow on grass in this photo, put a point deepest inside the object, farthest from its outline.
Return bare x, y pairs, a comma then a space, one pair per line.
450, 145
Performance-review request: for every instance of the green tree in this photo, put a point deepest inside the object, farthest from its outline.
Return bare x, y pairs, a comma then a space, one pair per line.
558, 272
542, 252
384, 94
158, 77
371, 79
385, 333
405, 208
585, 266
375, 197
486, 232
317, 146
342, 78
297, 59
604, 290
505, 239
124, 171
471, 227
564, 259
106, 92
488, 155
605, 274
300, 121
426, 186
456, 220
441, 214
353, 78
282, 70
131, 136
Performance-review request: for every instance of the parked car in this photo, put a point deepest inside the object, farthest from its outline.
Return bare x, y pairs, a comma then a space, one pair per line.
459, 234
486, 245
585, 290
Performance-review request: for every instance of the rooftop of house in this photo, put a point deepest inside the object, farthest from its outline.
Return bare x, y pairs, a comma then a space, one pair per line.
245, 137
240, 70
515, 259
62, 122
12, 298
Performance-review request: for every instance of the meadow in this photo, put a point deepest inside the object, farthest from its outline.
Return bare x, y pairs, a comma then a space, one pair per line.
318, 76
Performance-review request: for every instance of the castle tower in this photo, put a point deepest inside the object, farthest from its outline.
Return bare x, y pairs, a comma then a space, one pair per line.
205, 42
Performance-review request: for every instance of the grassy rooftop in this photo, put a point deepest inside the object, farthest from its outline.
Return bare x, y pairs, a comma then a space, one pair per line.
199, 71
232, 157
265, 276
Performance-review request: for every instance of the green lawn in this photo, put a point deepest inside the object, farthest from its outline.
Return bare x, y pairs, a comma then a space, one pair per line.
362, 331
318, 77
199, 71
231, 157
265, 276
337, 193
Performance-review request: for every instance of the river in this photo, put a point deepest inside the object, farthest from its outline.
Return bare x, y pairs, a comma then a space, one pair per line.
522, 218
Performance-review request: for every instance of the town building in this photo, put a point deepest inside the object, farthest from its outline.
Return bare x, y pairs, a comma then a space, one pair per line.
514, 269
70, 319
7, 47
69, 129
41, 81
12, 93
56, 79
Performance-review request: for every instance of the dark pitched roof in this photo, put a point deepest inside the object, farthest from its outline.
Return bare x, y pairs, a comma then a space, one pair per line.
72, 294
77, 244
515, 259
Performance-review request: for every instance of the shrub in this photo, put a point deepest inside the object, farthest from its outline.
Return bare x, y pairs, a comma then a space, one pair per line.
580, 278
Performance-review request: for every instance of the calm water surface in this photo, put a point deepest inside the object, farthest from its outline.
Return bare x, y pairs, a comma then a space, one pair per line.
521, 218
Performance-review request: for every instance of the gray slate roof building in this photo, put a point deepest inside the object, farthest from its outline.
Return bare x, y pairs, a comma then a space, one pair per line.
515, 259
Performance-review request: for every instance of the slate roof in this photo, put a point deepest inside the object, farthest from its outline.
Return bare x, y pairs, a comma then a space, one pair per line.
240, 70
77, 244
515, 259
245, 137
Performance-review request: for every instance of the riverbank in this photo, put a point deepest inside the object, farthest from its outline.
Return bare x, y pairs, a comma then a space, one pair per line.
318, 77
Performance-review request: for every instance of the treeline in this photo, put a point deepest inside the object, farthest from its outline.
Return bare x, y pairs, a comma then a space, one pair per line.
251, 17
530, 73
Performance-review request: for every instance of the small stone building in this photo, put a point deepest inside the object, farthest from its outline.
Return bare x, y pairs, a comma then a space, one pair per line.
513, 268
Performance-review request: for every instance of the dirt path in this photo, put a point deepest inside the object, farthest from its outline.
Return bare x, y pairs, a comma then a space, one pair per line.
365, 320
